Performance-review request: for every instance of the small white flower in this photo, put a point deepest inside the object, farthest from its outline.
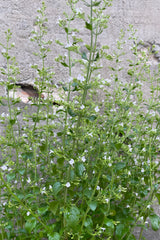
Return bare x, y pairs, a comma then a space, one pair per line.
83, 159
82, 107
4, 203
28, 213
80, 78
110, 164
107, 200
28, 180
71, 162
68, 45
70, 79
93, 172
142, 170
68, 184
129, 173
4, 167
58, 20
148, 206
43, 190
4, 50
96, 109
78, 10
50, 187
98, 188
107, 80
103, 229
127, 206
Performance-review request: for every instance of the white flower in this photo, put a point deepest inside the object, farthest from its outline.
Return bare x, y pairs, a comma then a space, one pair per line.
103, 229
129, 173
78, 10
98, 187
107, 200
148, 206
96, 109
28, 213
68, 45
107, 80
142, 170
50, 187
29, 180
68, 184
80, 78
83, 159
110, 164
71, 162
127, 206
70, 79
4, 167
58, 20
43, 190
82, 107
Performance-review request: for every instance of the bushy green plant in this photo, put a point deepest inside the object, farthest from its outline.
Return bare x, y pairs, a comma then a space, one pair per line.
90, 170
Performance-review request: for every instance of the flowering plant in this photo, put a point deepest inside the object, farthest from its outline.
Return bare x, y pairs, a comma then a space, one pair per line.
89, 170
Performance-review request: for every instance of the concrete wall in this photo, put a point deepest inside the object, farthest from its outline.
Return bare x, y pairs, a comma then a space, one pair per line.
19, 16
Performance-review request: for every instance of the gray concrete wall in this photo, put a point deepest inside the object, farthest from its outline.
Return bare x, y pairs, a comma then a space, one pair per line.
19, 16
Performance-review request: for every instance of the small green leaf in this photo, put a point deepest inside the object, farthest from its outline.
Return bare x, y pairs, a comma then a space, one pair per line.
95, 4
121, 229
42, 210
120, 166
54, 236
21, 171
80, 168
30, 225
155, 222
10, 176
158, 197
93, 205
88, 25
64, 64
53, 206
84, 56
72, 216
56, 188
130, 72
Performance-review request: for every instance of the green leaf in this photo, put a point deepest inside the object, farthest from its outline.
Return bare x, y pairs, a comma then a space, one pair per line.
56, 188
64, 64
66, 29
84, 56
80, 168
21, 171
10, 176
88, 25
54, 236
88, 222
158, 197
155, 222
53, 206
130, 72
30, 225
121, 229
42, 210
95, 4
71, 113
72, 217
120, 166
93, 205
109, 226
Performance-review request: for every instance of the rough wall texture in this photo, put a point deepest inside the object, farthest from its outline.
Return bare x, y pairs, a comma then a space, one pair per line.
19, 16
